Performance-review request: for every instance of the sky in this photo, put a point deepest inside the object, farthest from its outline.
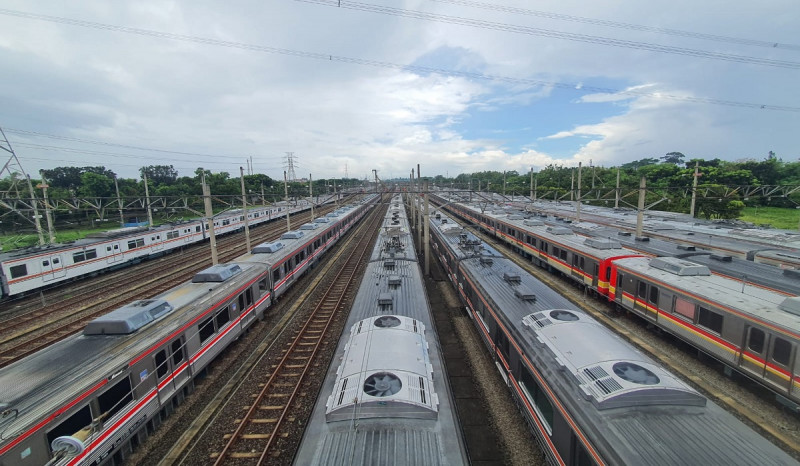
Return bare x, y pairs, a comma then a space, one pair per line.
347, 88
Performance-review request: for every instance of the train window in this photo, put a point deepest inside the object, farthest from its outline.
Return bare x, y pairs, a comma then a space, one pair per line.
248, 295
206, 329
262, 285
161, 363
82, 418
555, 251
135, 243
45, 263
583, 263
535, 394
563, 254
56, 261
197, 228
241, 301
781, 351
642, 293
224, 316
108, 248
684, 308
116, 397
653, 295
19, 270
710, 320
501, 341
756, 342
177, 351
172, 234
276, 275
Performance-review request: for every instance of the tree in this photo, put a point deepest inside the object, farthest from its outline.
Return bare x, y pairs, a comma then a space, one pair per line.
95, 185
636, 164
70, 177
675, 158
160, 174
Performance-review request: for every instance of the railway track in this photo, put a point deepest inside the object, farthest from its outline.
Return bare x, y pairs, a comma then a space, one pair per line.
276, 380
24, 333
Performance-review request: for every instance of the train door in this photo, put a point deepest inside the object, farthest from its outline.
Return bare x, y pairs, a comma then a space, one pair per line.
780, 362
171, 371
52, 267
156, 244
646, 300
753, 358
113, 253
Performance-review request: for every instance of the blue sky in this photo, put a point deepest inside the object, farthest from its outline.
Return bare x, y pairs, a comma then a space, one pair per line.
204, 85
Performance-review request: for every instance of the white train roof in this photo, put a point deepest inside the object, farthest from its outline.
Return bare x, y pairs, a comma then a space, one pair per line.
609, 371
385, 372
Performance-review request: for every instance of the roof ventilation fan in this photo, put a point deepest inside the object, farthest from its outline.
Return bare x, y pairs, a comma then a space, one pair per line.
382, 384
635, 373
387, 321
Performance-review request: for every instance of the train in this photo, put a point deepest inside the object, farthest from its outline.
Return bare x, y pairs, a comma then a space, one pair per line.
761, 245
588, 396
92, 398
752, 330
31, 269
385, 399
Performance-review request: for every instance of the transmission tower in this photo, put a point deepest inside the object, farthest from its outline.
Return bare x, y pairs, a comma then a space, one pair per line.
290, 162
16, 203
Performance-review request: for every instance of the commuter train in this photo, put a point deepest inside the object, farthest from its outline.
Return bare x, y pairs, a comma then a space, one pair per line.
753, 330
589, 397
761, 245
385, 399
93, 397
33, 268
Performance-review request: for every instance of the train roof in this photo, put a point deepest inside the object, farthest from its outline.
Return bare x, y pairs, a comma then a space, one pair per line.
417, 422
747, 300
633, 411
48, 379
601, 248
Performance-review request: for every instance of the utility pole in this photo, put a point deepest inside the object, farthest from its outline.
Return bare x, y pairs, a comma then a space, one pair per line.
411, 188
640, 210
426, 243
572, 187
420, 226
119, 202
504, 184
694, 188
36, 217
50, 233
210, 216
286, 199
147, 199
578, 205
311, 194
616, 198
244, 209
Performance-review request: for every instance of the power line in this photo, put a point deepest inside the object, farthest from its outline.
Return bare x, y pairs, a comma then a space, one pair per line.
554, 34
105, 143
621, 25
389, 65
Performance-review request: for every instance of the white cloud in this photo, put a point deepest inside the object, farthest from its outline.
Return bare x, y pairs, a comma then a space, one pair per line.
233, 103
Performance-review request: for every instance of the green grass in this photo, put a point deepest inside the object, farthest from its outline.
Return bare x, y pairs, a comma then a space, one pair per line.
778, 217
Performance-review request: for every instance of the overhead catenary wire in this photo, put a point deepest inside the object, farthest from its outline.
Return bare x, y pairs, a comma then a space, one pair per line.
389, 65
622, 25
554, 34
